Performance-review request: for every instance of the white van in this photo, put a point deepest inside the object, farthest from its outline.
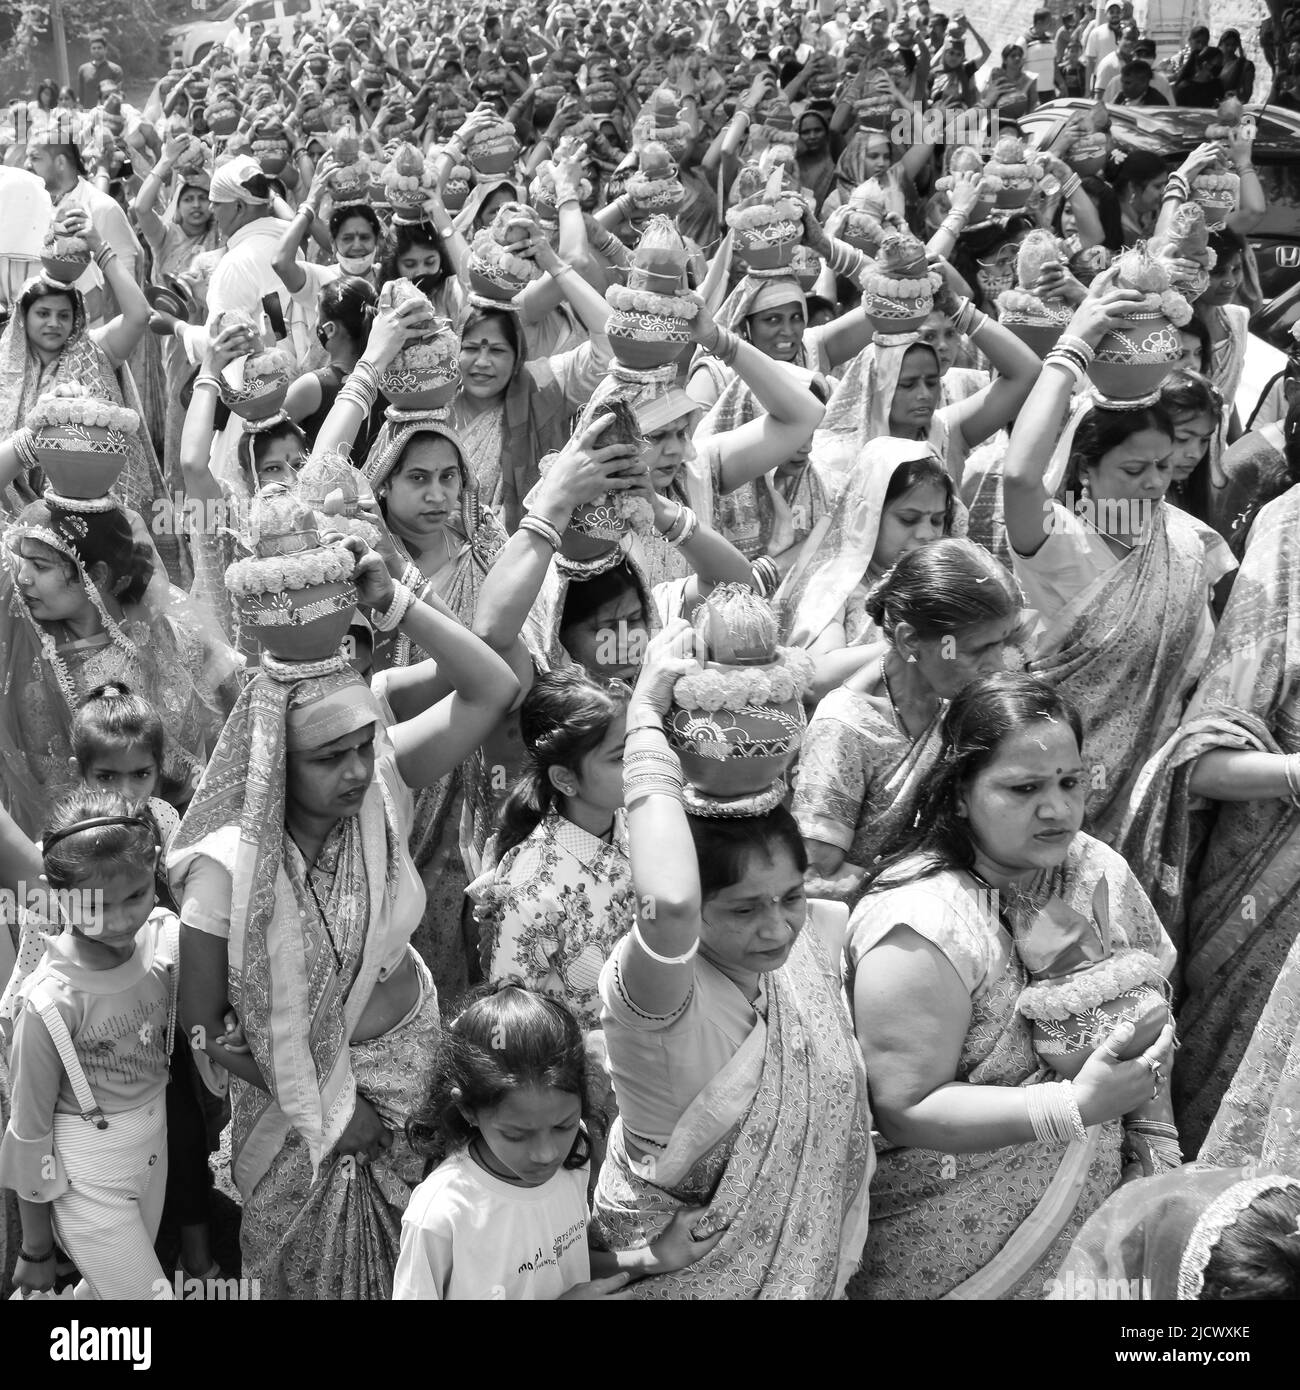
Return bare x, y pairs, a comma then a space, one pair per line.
192, 41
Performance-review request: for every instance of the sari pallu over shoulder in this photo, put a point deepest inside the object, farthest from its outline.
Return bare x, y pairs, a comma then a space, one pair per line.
1127, 652
1226, 878
775, 1152
992, 1225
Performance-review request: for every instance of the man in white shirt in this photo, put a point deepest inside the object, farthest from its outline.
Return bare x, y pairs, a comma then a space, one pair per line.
246, 279
54, 156
1102, 39
1125, 51
1145, 50
1040, 54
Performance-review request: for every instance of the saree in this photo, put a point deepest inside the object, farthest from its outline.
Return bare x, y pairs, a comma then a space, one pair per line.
991, 1225
1226, 879
162, 646
775, 1152
316, 1224
860, 779
24, 379
442, 936
1128, 649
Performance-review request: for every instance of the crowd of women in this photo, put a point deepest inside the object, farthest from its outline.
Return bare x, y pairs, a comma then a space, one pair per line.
431, 451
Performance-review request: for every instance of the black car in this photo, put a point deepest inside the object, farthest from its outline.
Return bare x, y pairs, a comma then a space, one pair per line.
1173, 132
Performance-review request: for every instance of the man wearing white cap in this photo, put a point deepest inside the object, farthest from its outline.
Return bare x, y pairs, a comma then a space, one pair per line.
245, 279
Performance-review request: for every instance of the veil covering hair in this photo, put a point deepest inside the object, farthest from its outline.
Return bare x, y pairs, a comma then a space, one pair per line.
835, 557
164, 645
479, 535
23, 380
1153, 1239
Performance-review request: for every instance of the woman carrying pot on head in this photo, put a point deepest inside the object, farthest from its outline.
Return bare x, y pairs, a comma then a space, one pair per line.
1120, 581
298, 901
739, 1087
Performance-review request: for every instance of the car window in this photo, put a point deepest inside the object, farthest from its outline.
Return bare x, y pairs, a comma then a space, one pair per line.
1281, 185
296, 6
263, 10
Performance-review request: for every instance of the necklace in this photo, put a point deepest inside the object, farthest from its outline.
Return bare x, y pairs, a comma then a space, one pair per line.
481, 1152
884, 680
329, 935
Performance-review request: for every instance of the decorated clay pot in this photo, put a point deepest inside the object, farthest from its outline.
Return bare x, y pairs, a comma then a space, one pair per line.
223, 121
300, 624
266, 383
423, 376
643, 340
81, 460
1133, 359
1065, 1045
767, 247
272, 155
892, 313
66, 270
1088, 155
456, 189
1014, 193
493, 152
1040, 338
728, 753
1216, 195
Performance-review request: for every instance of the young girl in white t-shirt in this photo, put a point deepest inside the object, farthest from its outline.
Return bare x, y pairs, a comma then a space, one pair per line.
504, 1214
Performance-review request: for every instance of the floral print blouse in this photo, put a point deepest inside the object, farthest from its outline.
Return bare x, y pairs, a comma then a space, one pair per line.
553, 909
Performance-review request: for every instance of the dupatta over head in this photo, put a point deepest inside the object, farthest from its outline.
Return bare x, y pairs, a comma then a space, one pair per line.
298, 1023
1153, 1239
23, 380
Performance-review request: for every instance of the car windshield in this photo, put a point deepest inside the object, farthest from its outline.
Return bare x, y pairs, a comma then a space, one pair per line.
226, 11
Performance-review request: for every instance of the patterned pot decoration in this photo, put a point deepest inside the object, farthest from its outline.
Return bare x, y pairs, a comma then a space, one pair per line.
406, 185
651, 323
1187, 237
612, 515
425, 375
737, 724
1217, 190
1134, 358
1080, 987
266, 377
65, 258
222, 114
493, 150
1019, 175
270, 146
898, 295
456, 189
81, 442
1037, 322
495, 272
660, 120
655, 187
350, 181
966, 160
767, 227
294, 596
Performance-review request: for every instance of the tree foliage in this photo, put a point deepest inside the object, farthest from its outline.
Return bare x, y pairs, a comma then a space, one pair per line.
134, 28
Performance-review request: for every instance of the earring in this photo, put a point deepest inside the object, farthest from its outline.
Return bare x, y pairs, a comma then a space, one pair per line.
1084, 490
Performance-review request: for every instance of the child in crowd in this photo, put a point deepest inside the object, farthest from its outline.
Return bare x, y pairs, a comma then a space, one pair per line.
504, 1214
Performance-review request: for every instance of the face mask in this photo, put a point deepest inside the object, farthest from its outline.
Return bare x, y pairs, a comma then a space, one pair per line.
357, 265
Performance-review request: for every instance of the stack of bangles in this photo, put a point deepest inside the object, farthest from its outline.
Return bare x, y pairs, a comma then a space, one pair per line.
1054, 1112
1291, 765
968, 319
539, 526
650, 767
847, 260
955, 222
104, 255
386, 621
682, 527
725, 346
1073, 355
1177, 188
362, 387
1161, 1139
1071, 186
413, 578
